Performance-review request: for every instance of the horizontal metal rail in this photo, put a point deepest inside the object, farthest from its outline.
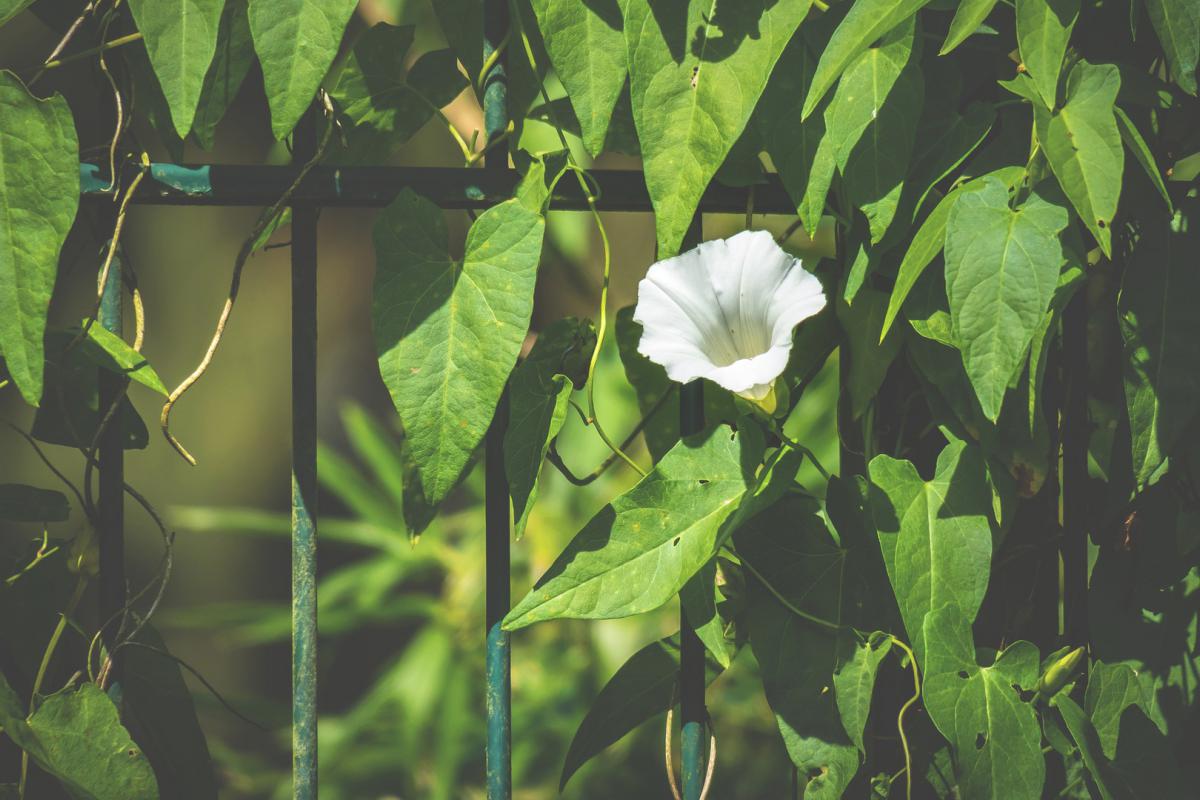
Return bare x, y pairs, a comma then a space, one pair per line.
448, 187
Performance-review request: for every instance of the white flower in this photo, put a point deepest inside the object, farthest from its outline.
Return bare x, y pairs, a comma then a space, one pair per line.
725, 311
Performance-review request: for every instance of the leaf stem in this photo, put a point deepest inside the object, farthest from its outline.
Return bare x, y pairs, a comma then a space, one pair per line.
47, 655
112, 44
824, 623
581, 176
912, 661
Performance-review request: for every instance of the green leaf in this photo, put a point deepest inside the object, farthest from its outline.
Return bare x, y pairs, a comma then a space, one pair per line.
382, 104
1083, 146
1141, 152
969, 15
181, 38
926, 244
39, 193
158, 708
699, 598
226, 73
539, 392
21, 503
872, 120
1001, 270
642, 688
869, 357
1043, 30
696, 73
935, 535
793, 146
105, 349
76, 736
586, 45
790, 547
10, 8
71, 414
462, 24
1112, 688
1162, 335
448, 332
995, 734
296, 41
640, 550
854, 684
866, 21
1177, 23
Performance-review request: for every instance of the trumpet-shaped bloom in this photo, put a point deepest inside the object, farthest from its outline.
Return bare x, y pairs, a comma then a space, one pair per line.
725, 311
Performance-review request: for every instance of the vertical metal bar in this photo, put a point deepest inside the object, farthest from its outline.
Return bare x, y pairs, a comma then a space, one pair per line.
496, 503
111, 457
1075, 471
693, 715
304, 476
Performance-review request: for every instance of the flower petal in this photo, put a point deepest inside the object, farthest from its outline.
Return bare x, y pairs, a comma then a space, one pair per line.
725, 311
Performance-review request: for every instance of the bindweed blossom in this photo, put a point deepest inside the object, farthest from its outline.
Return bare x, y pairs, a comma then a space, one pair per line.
725, 311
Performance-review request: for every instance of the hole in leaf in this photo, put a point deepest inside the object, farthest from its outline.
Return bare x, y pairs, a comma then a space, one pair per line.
704, 482
980, 741
676, 542
1101, 224
962, 673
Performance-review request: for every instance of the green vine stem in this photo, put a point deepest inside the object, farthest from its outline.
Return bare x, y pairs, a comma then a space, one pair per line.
912, 661
47, 656
582, 176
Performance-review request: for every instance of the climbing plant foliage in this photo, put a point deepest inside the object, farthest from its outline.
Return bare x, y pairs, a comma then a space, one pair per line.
1012, 307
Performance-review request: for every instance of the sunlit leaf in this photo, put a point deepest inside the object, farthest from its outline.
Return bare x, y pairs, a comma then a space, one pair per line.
1043, 28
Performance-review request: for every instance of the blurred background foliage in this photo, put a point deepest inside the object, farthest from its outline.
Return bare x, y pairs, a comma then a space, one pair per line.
402, 625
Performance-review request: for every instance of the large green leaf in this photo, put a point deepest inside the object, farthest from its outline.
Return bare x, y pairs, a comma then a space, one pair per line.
448, 332
854, 684
158, 708
700, 601
642, 688
872, 121
928, 242
384, 104
39, 193
230, 64
181, 39
296, 41
76, 736
1043, 29
935, 535
638, 552
1177, 23
1162, 335
1083, 146
994, 732
870, 358
866, 21
462, 25
21, 503
1112, 688
791, 548
1143, 766
586, 45
969, 15
804, 165
1001, 270
10, 8
539, 392
696, 72
1141, 153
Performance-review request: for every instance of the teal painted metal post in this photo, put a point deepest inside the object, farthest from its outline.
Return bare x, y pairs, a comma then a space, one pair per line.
304, 476
111, 456
497, 527
693, 715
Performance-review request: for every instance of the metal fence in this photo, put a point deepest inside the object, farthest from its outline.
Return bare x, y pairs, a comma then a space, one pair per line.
449, 188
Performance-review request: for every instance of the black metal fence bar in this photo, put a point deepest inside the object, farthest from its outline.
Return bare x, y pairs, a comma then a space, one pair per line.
304, 477
448, 187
